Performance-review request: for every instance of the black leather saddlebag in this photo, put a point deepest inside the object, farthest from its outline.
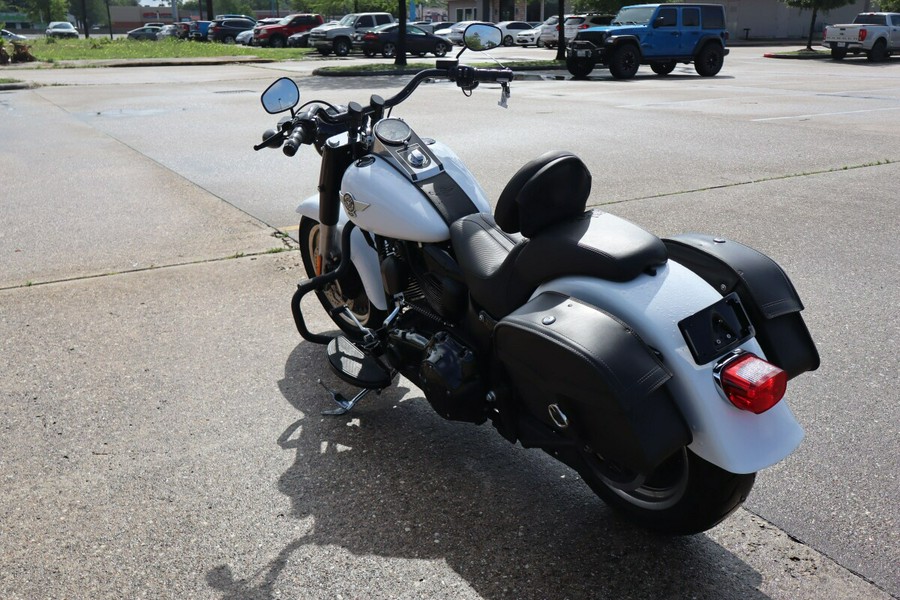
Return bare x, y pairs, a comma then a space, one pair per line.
766, 293
568, 358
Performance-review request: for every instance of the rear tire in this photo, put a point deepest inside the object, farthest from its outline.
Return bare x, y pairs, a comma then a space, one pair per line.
838, 53
709, 60
348, 290
625, 61
509, 41
683, 496
440, 49
878, 52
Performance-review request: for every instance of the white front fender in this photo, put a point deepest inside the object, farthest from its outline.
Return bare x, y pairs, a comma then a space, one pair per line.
363, 256
735, 440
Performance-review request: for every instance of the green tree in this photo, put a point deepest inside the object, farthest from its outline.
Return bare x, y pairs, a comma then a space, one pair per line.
888, 5
816, 6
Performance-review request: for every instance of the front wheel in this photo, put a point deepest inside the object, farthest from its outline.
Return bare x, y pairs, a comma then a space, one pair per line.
341, 47
347, 291
440, 49
683, 496
388, 50
580, 68
625, 61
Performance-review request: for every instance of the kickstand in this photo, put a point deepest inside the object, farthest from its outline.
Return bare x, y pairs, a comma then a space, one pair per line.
344, 404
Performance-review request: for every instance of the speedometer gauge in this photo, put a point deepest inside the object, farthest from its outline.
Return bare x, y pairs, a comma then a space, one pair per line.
392, 132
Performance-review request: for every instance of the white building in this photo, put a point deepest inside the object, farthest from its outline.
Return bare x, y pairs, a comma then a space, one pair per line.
759, 19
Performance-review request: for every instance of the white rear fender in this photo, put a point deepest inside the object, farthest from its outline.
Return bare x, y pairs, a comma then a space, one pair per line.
363, 256
735, 440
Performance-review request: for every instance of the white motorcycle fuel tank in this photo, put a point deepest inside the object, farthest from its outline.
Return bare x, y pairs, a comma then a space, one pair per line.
409, 188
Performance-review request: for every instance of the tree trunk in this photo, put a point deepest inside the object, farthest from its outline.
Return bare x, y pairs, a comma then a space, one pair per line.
812, 24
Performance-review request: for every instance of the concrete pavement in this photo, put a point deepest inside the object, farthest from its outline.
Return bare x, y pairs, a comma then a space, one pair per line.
160, 418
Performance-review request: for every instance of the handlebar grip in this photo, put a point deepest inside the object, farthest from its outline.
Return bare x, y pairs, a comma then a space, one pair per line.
293, 142
493, 75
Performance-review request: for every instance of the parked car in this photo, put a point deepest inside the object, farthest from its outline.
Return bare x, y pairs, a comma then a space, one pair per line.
9, 36
299, 40
276, 34
550, 31
383, 40
510, 29
576, 23
530, 37
226, 30
443, 29
199, 31
234, 16
144, 33
168, 32
244, 38
61, 29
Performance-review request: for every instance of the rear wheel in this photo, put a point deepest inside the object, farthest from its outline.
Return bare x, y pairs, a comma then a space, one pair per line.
838, 53
683, 496
347, 291
709, 60
509, 41
878, 52
440, 49
625, 61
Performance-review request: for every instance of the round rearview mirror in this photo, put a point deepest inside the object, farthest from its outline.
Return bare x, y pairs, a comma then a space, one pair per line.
480, 37
282, 95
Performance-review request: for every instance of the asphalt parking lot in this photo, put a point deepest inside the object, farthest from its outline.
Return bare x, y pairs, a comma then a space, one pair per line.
161, 427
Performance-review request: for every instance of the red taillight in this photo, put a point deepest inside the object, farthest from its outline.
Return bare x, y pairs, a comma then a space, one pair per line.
750, 383
585, 26
863, 34
370, 37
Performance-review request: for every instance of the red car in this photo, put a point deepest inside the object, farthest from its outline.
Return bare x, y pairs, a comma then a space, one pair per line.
276, 35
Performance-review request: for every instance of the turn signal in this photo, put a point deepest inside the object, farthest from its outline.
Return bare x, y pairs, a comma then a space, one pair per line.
751, 383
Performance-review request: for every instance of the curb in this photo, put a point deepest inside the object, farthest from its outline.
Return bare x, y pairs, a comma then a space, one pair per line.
811, 56
324, 72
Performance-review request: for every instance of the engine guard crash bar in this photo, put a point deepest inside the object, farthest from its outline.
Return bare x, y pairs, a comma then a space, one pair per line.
318, 283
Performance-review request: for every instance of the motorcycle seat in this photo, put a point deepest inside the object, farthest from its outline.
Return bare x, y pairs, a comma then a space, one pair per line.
540, 231
502, 269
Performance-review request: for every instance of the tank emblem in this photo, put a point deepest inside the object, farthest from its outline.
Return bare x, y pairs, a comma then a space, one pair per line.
352, 206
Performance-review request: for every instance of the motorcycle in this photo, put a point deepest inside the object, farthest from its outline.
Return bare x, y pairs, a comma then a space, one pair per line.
656, 368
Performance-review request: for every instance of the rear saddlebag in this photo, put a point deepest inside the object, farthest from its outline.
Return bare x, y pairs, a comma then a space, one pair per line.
567, 357
766, 293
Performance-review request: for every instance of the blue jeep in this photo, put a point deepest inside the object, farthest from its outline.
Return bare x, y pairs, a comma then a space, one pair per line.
659, 35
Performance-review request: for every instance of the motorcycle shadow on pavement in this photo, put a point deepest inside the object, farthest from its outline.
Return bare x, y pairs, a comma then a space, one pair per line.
392, 495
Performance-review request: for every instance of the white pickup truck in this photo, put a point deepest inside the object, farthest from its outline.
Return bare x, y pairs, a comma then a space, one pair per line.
877, 35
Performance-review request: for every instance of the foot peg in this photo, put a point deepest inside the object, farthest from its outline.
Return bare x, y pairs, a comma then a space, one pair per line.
356, 368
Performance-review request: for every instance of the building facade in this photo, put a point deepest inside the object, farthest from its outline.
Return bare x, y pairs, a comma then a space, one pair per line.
746, 19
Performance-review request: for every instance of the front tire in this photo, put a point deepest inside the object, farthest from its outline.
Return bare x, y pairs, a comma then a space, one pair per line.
580, 68
683, 496
389, 50
625, 61
440, 49
341, 47
348, 290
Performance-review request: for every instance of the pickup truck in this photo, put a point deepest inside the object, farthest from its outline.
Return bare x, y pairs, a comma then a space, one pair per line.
877, 35
338, 37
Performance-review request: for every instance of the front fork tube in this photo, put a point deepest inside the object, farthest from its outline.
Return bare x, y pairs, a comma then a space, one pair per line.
336, 159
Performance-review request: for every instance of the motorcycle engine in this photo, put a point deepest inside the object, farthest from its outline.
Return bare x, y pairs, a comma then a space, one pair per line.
449, 377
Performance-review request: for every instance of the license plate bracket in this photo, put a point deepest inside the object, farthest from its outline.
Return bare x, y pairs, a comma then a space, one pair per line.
717, 329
